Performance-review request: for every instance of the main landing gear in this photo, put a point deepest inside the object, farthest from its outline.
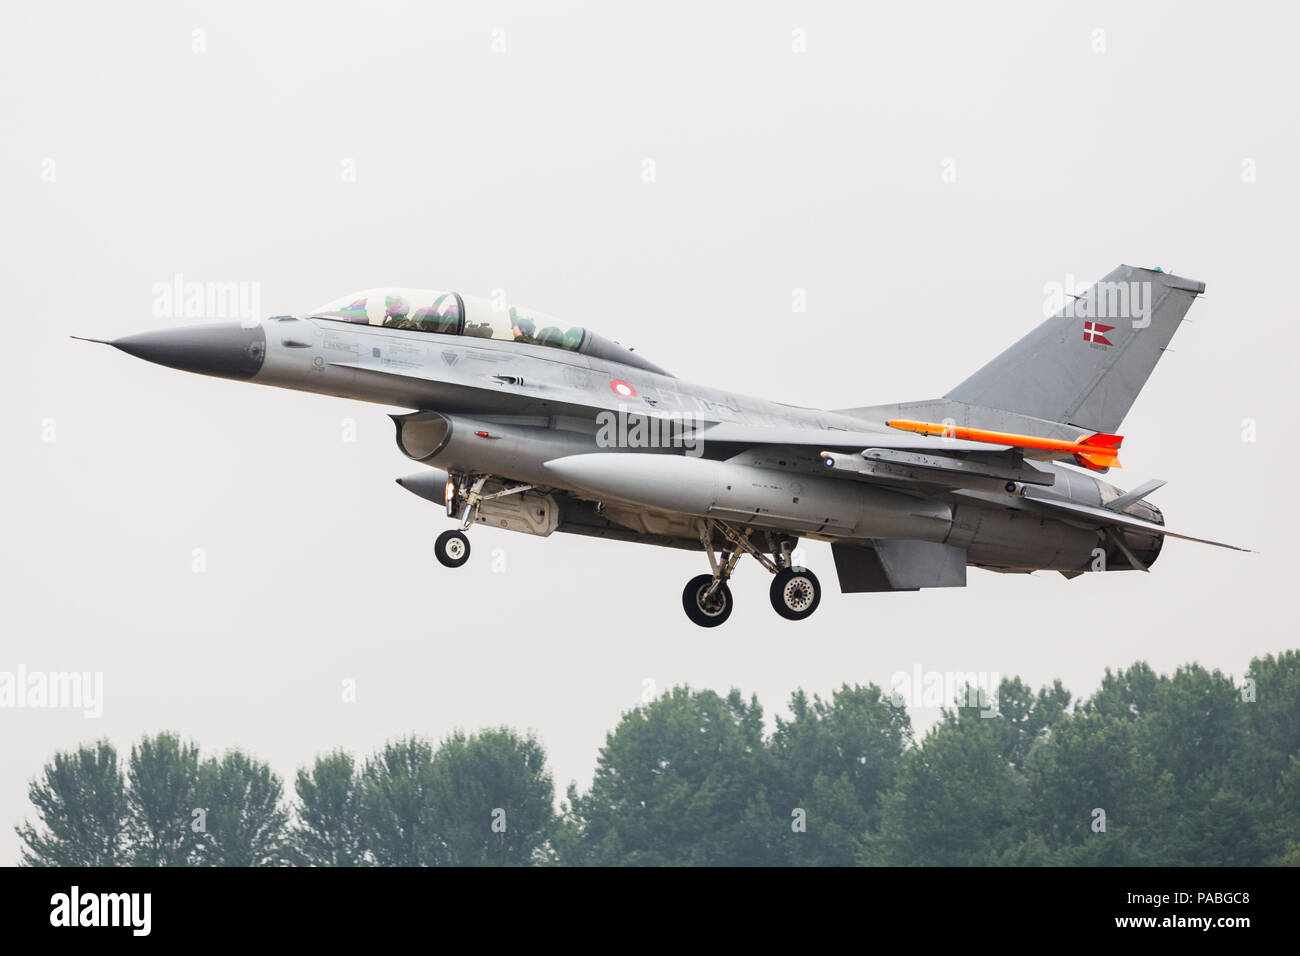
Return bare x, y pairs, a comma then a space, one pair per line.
795, 592
707, 601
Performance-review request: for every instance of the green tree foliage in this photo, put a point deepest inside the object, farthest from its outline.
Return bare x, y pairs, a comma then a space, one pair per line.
833, 760
81, 800
397, 804
244, 821
1092, 766
1185, 769
493, 799
329, 830
1127, 694
956, 799
483, 799
1024, 719
164, 774
1175, 770
1274, 714
682, 780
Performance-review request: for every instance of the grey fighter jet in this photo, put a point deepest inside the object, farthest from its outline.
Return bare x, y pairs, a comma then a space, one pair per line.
528, 424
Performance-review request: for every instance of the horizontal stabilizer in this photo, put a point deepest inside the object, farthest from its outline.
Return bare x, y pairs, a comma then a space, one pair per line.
1137, 494
1102, 517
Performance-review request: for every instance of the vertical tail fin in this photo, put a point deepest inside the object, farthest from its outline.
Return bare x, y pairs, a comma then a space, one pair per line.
1086, 364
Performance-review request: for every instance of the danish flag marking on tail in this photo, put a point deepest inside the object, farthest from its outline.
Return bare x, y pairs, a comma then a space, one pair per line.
1095, 332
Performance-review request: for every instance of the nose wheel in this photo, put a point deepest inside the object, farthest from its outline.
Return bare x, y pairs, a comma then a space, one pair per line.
451, 549
795, 593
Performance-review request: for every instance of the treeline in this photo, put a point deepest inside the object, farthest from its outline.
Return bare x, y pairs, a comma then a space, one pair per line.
1190, 768
477, 800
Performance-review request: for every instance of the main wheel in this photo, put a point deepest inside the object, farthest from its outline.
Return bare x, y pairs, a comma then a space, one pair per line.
795, 593
709, 613
451, 549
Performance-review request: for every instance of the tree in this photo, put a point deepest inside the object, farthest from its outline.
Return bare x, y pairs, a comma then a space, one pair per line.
1198, 734
1025, 719
163, 775
81, 799
396, 805
493, 799
832, 761
1273, 713
329, 829
1185, 769
961, 798
956, 801
244, 821
1127, 694
679, 781
1168, 760
1096, 797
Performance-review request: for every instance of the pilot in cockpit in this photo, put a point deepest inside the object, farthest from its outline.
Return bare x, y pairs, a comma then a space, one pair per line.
395, 312
522, 328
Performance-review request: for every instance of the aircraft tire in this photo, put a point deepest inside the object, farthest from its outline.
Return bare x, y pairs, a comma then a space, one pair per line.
711, 616
795, 593
451, 549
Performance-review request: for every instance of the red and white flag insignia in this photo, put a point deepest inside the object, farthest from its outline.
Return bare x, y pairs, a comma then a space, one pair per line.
1095, 332
622, 389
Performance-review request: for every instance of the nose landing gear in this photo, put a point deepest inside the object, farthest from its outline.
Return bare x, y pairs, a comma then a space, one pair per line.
465, 496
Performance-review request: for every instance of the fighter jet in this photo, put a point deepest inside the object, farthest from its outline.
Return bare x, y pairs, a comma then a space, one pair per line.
528, 424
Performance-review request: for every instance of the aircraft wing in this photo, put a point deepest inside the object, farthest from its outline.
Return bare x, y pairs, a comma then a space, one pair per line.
970, 469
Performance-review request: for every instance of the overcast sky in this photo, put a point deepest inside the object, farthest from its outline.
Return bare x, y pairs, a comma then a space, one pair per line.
667, 175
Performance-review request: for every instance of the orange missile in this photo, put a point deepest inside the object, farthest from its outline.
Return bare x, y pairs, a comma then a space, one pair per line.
1091, 451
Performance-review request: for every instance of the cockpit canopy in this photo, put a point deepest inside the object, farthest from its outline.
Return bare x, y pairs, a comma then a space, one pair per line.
447, 313
421, 309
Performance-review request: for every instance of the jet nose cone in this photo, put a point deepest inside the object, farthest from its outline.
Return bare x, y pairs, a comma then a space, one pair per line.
224, 349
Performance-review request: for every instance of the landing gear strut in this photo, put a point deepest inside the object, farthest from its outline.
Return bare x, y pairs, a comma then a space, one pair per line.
795, 591
464, 497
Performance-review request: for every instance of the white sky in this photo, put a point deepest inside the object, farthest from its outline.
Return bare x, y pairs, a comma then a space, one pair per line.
522, 170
